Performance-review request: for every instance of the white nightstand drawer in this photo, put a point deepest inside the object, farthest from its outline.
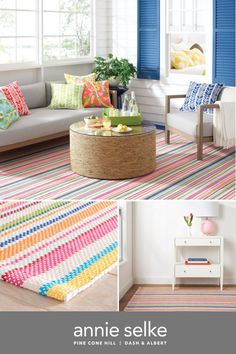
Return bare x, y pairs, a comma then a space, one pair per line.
197, 242
197, 271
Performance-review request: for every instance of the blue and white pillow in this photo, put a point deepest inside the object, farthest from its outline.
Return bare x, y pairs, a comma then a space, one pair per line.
198, 94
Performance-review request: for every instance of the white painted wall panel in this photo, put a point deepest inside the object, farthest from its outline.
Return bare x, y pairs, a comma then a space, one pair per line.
101, 26
156, 224
150, 91
29, 76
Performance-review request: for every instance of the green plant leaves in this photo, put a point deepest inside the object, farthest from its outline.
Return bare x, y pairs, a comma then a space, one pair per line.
114, 67
189, 219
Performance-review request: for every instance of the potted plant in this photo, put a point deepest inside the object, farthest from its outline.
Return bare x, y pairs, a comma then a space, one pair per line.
189, 222
114, 70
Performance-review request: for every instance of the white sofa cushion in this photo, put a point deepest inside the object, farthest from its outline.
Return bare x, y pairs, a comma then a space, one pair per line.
42, 122
186, 122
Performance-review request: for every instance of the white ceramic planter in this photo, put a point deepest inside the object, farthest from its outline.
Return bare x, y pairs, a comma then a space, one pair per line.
113, 81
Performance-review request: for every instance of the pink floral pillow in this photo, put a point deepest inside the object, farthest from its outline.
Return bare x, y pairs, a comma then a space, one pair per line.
96, 94
15, 96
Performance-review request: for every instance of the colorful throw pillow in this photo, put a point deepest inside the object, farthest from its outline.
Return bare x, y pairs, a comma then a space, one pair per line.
96, 94
66, 96
15, 96
72, 79
198, 94
8, 114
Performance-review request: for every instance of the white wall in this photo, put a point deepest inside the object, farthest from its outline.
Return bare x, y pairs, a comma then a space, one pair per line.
29, 76
126, 265
156, 224
102, 19
151, 97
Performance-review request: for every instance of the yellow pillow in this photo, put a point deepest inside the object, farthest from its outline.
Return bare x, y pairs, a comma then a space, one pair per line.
200, 55
72, 79
191, 58
179, 60
184, 58
195, 56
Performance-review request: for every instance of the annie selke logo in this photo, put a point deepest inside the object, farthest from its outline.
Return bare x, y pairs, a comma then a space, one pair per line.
146, 333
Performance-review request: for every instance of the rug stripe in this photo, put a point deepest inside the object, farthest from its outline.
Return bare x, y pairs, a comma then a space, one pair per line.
178, 175
149, 299
57, 249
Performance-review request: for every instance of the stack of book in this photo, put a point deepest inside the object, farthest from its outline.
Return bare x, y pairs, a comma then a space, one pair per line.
198, 261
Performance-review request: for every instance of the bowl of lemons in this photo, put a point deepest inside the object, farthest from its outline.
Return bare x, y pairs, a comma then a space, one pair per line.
90, 120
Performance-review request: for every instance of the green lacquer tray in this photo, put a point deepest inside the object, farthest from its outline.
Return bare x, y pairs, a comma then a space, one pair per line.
134, 120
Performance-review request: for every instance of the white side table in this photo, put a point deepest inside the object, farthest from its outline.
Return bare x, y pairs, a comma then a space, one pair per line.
214, 270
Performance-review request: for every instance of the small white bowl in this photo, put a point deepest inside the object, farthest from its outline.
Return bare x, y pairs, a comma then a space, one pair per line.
89, 121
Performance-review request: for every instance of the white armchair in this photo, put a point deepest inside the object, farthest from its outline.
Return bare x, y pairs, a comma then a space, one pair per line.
194, 126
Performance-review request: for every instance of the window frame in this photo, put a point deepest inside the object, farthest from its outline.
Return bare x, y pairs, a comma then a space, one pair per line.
73, 60
39, 61
31, 64
174, 78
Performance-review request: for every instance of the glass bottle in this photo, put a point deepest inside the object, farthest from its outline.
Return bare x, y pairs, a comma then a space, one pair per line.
133, 107
125, 106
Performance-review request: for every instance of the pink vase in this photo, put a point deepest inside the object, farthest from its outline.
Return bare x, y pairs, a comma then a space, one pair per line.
208, 227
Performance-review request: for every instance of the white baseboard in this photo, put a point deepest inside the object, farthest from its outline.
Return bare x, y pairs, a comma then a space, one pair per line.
123, 290
168, 281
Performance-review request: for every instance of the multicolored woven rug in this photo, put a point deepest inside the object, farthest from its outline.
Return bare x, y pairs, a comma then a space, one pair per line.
43, 172
149, 299
57, 248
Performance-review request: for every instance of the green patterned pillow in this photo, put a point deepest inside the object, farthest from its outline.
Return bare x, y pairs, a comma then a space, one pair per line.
8, 114
66, 96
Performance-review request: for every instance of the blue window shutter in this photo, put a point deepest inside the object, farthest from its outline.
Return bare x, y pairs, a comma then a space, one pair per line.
224, 42
149, 39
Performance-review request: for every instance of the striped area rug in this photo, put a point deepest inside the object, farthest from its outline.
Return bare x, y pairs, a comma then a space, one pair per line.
43, 172
57, 248
151, 299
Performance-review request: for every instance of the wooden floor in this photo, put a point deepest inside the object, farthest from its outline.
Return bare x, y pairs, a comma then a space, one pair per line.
126, 298
101, 296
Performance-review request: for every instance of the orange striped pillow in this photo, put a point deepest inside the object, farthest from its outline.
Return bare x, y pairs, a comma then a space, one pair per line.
15, 96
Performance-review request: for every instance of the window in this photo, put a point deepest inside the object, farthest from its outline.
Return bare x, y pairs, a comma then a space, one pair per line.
188, 35
40, 31
18, 44
66, 29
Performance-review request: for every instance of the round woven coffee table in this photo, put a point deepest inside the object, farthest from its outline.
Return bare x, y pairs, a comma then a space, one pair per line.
103, 154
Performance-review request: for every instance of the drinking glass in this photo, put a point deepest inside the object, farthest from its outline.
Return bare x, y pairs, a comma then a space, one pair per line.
106, 122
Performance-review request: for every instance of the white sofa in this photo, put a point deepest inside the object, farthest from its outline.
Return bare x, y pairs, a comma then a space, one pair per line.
194, 126
43, 123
